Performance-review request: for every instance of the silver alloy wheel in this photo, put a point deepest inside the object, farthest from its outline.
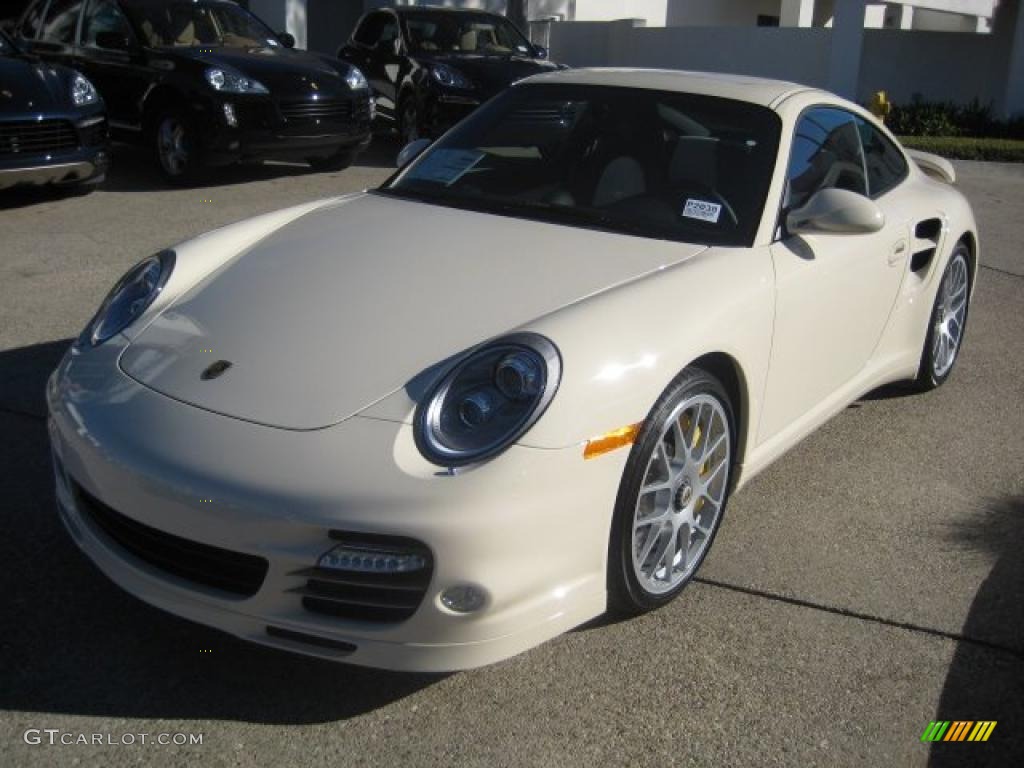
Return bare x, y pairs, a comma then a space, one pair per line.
950, 316
171, 145
682, 494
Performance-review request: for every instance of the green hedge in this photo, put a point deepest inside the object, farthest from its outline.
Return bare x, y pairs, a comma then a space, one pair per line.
965, 148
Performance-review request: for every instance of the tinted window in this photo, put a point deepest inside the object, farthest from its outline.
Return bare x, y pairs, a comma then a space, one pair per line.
103, 16
61, 21
885, 163
375, 28
656, 164
826, 153
463, 33
32, 21
184, 23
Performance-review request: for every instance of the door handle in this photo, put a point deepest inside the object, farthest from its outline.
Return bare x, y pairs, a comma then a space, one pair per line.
897, 253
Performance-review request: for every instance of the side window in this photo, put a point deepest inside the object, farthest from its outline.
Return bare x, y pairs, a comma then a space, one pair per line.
32, 21
61, 21
885, 164
369, 31
826, 153
103, 16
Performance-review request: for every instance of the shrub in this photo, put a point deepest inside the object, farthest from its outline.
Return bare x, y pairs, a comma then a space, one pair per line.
968, 148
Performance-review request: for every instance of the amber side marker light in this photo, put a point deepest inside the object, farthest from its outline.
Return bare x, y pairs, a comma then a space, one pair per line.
611, 441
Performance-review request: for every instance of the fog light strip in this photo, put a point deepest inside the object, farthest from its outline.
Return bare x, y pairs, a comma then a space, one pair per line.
611, 441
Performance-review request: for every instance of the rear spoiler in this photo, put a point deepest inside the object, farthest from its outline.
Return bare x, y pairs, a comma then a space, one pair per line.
937, 167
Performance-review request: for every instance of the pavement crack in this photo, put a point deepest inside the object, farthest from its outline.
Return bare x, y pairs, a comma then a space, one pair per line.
861, 616
1006, 272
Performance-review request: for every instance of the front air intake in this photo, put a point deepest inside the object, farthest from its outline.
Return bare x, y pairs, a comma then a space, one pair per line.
368, 578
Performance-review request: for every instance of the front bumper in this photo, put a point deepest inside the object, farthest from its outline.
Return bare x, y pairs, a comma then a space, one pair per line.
263, 130
529, 528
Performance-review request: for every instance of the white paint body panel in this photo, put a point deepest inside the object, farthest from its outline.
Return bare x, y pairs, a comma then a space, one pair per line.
332, 310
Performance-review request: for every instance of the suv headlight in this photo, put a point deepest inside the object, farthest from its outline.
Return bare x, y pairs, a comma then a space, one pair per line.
130, 297
83, 92
230, 81
488, 400
451, 77
356, 79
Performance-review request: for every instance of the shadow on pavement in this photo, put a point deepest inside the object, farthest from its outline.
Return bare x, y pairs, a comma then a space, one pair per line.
983, 683
132, 169
74, 643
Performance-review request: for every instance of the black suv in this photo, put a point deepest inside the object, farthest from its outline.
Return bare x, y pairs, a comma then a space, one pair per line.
53, 127
205, 82
430, 67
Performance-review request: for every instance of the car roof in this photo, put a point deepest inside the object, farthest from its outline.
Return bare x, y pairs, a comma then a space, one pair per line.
417, 9
756, 90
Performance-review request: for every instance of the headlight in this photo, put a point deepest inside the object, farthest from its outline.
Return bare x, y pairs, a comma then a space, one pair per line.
450, 77
356, 80
488, 400
130, 297
83, 92
230, 81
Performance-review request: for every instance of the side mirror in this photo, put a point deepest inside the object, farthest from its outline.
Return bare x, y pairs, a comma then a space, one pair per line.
540, 52
112, 41
836, 211
287, 39
411, 151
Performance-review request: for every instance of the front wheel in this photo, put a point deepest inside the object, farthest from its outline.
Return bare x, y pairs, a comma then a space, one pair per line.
947, 322
672, 495
174, 145
409, 121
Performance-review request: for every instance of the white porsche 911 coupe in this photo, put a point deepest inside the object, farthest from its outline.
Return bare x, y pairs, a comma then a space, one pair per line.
432, 425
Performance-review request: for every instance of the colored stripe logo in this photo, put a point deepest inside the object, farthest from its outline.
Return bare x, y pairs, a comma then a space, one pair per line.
958, 730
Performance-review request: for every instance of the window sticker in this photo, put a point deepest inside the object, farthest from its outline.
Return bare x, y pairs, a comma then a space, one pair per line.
446, 166
702, 210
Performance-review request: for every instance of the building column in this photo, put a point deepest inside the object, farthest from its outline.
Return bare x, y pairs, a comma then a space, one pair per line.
847, 43
796, 13
906, 17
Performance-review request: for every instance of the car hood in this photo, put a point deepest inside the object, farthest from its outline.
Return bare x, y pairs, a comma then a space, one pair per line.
347, 304
492, 73
31, 86
282, 70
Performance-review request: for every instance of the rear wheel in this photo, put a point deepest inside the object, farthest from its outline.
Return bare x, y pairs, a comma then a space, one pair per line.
947, 323
673, 494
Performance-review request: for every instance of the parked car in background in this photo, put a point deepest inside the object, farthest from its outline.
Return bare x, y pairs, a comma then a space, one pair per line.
430, 67
53, 124
204, 82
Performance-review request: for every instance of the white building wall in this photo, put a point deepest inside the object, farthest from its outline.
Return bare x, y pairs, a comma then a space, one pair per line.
938, 21
719, 13
651, 11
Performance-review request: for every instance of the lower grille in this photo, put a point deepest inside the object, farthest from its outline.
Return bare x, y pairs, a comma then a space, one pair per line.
377, 596
210, 566
36, 137
94, 134
314, 112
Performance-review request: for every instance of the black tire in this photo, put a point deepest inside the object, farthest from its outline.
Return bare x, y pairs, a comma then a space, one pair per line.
168, 120
931, 373
339, 161
410, 127
626, 594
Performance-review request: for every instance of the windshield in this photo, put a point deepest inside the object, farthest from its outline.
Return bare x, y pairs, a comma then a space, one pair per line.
182, 23
6, 48
651, 163
464, 33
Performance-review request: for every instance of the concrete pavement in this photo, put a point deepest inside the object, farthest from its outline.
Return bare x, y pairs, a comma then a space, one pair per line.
866, 584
